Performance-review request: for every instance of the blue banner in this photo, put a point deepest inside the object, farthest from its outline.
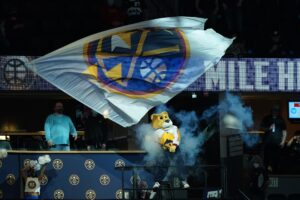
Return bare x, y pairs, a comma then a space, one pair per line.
240, 75
251, 75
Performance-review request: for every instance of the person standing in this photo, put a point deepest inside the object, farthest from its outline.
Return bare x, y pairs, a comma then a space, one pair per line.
95, 128
293, 149
259, 179
274, 138
58, 128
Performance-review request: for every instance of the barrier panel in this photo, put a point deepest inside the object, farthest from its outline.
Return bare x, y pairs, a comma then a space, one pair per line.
71, 175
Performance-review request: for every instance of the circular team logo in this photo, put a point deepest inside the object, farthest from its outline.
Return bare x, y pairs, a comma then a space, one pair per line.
15, 73
90, 194
89, 164
104, 179
26, 162
57, 164
119, 194
10, 179
133, 64
119, 163
44, 180
58, 194
31, 184
74, 179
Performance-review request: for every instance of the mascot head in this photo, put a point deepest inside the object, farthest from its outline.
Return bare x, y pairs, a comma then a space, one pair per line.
161, 120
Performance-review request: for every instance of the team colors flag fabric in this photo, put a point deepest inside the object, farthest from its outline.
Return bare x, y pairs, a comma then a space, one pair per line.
123, 72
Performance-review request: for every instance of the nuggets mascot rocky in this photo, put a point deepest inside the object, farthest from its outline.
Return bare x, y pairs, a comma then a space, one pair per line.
168, 136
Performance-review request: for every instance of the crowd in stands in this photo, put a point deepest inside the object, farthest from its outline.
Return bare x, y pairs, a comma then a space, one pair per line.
263, 28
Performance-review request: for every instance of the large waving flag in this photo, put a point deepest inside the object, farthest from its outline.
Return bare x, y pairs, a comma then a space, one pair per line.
124, 72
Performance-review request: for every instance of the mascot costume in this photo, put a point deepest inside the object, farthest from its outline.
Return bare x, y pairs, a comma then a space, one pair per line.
168, 136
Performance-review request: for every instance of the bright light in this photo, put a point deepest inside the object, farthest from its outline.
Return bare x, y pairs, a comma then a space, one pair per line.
194, 95
105, 114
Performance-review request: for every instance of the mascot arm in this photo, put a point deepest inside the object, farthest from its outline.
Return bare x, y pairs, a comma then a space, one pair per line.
176, 134
159, 134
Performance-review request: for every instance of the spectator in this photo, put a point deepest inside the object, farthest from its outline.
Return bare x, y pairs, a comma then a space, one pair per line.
233, 14
31, 179
95, 130
276, 47
134, 11
259, 179
3, 40
274, 138
15, 31
208, 9
111, 11
294, 153
294, 142
58, 127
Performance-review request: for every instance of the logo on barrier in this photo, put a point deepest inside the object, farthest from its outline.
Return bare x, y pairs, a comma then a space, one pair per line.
119, 163
74, 179
89, 164
10, 179
119, 194
57, 164
26, 162
44, 180
58, 194
90, 194
104, 179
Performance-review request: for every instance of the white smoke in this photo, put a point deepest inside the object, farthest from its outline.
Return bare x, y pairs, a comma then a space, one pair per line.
234, 105
147, 141
188, 123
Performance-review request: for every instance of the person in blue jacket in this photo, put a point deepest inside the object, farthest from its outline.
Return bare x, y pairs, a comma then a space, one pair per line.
58, 128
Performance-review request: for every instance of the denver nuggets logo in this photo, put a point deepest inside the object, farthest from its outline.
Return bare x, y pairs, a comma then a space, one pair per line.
57, 164
44, 180
119, 163
31, 184
89, 164
90, 194
119, 194
104, 179
139, 62
74, 179
10, 179
59, 194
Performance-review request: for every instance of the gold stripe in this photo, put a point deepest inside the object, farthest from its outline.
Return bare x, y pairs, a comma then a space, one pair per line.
137, 53
161, 50
99, 46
